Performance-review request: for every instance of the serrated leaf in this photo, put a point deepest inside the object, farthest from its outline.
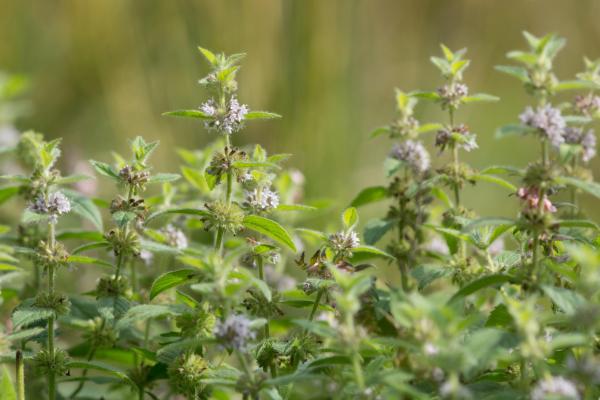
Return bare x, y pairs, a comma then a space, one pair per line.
375, 229
85, 208
427, 273
518, 72
172, 279
567, 300
65, 180
144, 312
592, 188
255, 164
29, 315
270, 229
105, 169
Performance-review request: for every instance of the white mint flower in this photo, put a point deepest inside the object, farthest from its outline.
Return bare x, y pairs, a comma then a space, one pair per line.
555, 387
55, 205
234, 332
175, 237
226, 121
548, 121
344, 241
414, 154
263, 199
586, 139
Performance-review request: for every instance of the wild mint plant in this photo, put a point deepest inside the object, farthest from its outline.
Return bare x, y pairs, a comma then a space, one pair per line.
215, 285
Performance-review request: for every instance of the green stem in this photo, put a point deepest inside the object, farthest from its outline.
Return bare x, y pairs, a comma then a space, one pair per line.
20, 374
524, 375
456, 164
51, 352
358, 373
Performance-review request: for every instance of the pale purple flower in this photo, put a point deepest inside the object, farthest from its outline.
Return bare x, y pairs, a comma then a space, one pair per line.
228, 120
555, 387
234, 332
261, 200
344, 241
414, 154
586, 139
175, 237
55, 205
548, 121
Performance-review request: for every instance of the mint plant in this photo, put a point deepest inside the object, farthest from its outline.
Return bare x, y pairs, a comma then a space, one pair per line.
211, 283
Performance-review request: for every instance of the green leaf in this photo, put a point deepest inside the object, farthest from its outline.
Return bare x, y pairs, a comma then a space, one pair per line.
105, 169
382, 130
350, 217
481, 283
161, 178
488, 221
270, 229
25, 334
97, 366
566, 299
65, 180
496, 180
209, 55
7, 391
370, 195
375, 229
499, 317
80, 235
501, 169
479, 97
123, 218
6, 193
172, 279
144, 312
295, 207
578, 223
512, 130
187, 114
592, 188
427, 273
261, 115
518, 72
426, 95
365, 251
28, 315
85, 208
575, 85
255, 164
194, 177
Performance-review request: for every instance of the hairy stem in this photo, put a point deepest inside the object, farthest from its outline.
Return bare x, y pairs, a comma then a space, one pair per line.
50, 344
20, 374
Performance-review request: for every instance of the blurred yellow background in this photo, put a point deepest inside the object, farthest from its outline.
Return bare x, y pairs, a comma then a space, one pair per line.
103, 71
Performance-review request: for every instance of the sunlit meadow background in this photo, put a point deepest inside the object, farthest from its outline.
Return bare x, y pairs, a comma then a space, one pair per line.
103, 71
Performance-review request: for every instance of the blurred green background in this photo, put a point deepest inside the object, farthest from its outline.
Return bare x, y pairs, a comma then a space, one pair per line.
103, 71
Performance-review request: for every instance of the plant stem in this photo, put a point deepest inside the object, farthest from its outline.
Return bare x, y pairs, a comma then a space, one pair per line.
358, 373
83, 373
456, 164
51, 376
20, 374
